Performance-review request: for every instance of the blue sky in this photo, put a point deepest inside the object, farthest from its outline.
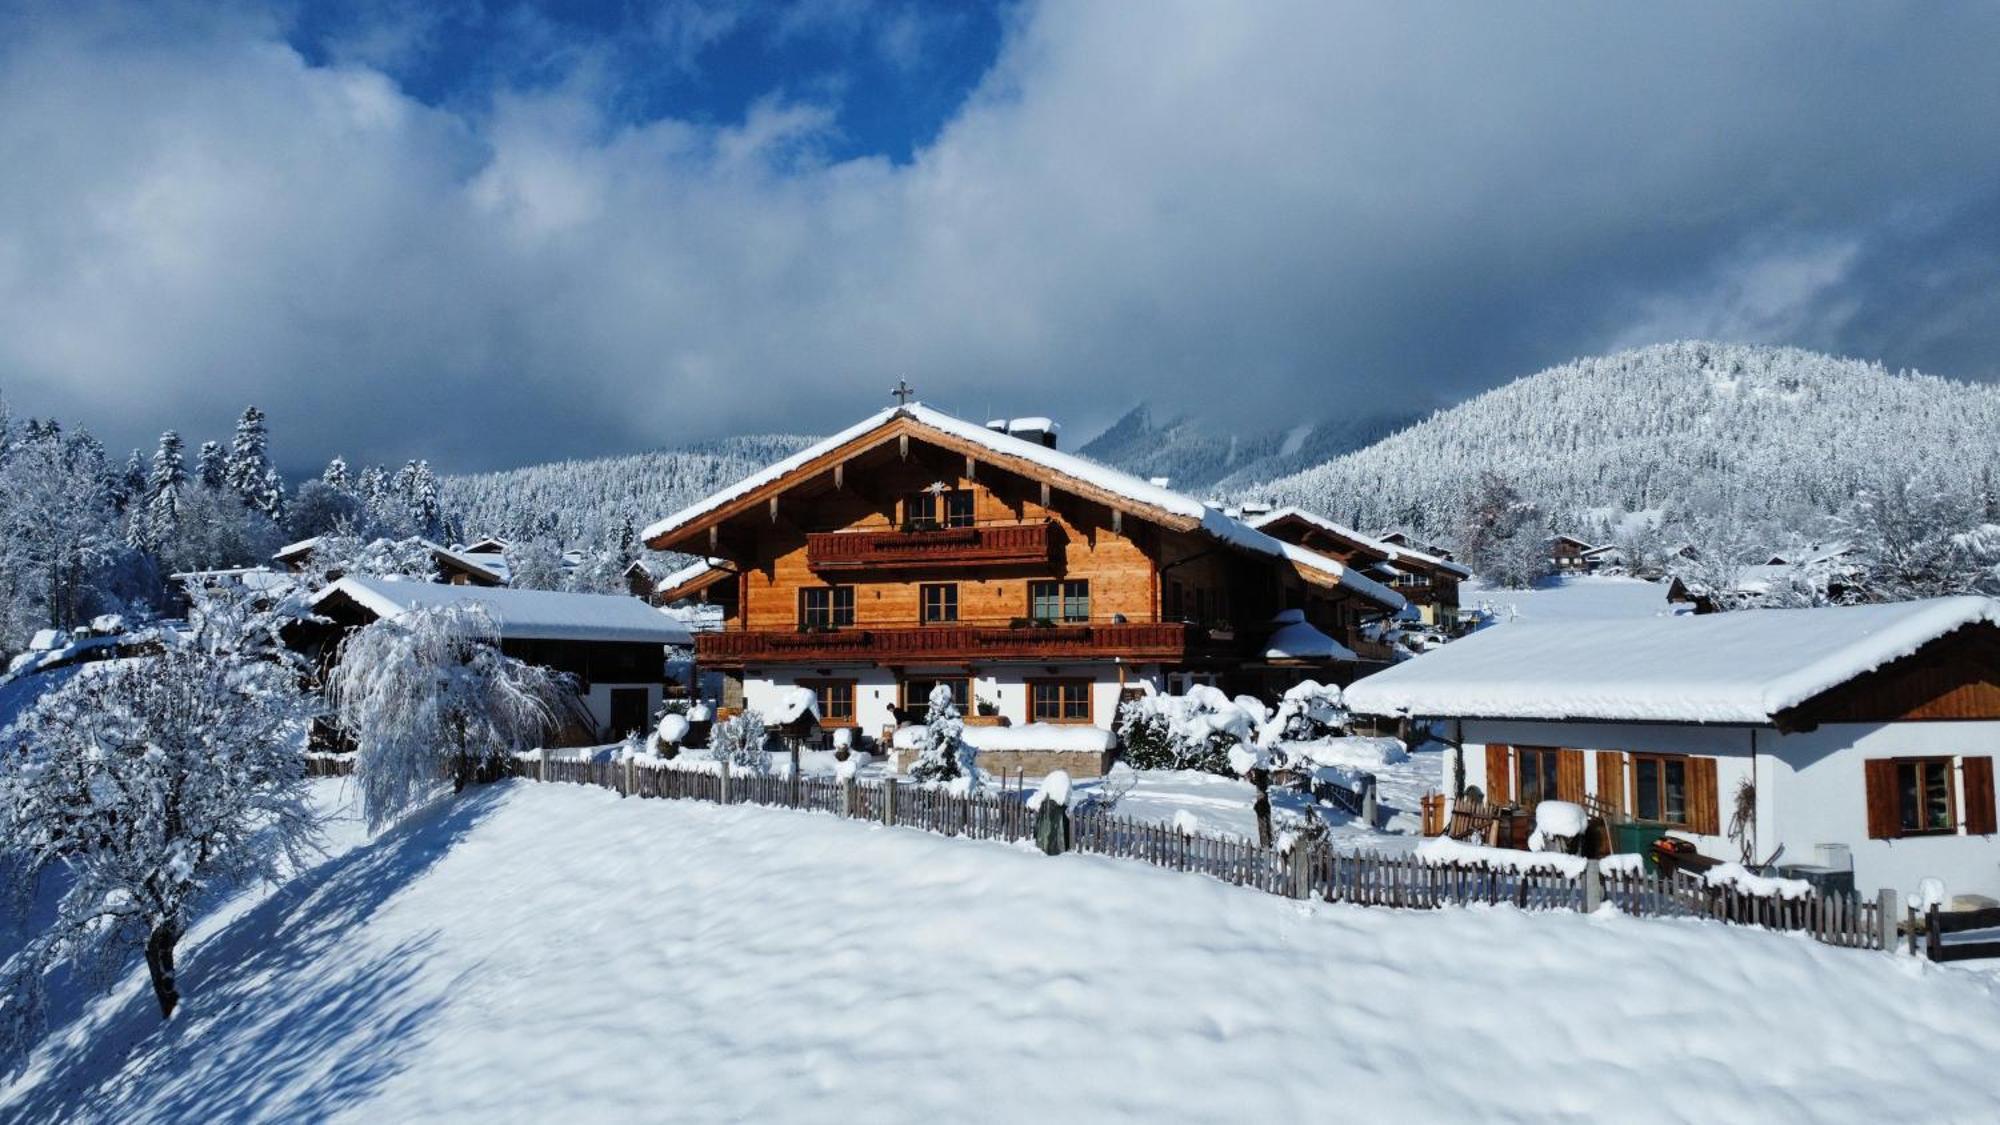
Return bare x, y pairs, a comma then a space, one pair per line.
896, 70
494, 233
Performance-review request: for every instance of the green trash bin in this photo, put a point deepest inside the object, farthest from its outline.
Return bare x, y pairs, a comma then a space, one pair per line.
1632, 836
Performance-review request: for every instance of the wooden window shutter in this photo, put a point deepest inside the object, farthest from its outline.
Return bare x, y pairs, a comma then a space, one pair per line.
1499, 774
1703, 801
1611, 779
1884, 822
1569, 775
1979, 810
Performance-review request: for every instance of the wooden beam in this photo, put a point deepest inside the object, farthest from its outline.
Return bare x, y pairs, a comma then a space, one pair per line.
774, 508
714, 538
971, 468
1117, 522
1045, 494
840, 474
903, 446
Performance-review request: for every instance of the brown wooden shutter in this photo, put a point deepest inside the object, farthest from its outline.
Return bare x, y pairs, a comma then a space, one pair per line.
1979, 810
1569, 775
1499, 774
1611, 779
1883, 821
1702, 798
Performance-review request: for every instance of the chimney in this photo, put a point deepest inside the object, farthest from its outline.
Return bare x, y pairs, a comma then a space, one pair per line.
1041, 431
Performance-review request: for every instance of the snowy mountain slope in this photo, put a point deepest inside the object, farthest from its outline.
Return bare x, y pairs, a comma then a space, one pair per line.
527, 953
589, 502
1777, 434
1190, 452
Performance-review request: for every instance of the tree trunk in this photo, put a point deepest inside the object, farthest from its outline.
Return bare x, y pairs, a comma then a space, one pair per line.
160, 963
1262, 780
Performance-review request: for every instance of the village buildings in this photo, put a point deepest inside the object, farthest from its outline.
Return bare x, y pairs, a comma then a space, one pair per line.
916, 549
1428, 582
1857, 739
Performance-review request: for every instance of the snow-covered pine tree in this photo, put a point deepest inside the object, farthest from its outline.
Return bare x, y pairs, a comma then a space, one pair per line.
132, 485
944, 756
429, 695
144, 782
212, 467
159, 521
336, 474
248, 470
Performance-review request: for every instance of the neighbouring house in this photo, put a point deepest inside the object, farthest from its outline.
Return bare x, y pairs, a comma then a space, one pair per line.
1827, 574
615, 646
1428, 582
456, 568
1866, 734
1400, 538
916, 549
1570, 555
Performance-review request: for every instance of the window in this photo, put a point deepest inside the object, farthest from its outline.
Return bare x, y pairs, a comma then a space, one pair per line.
1067, 600
940, 602
929, 511
836, 701
1535, 767
917, 694
1059, 701
1660, 788
826, 607
1923, 796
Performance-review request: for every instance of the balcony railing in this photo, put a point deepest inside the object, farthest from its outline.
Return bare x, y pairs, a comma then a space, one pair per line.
955, 643
1004, 544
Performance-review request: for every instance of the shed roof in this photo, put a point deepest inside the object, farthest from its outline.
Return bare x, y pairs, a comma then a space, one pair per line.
1742, 667
523, 614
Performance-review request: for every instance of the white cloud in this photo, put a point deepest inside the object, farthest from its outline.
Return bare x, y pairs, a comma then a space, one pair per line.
1259, 209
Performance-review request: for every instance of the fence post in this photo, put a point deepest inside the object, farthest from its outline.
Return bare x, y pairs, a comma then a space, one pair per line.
725, 780
1885, 916
1593, 886
847, 796
889, 800
1301, 872
629, 787
542, 766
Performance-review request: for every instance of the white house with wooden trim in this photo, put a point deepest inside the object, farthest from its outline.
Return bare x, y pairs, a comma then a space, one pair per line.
1866, 733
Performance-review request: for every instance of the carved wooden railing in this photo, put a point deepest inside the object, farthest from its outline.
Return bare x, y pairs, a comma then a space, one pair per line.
1005, 544
1146, 641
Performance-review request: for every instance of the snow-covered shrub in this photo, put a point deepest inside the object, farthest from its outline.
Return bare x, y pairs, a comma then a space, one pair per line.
340, 553
944, 756
428, 695
739, 740
147, 780
1309, 710
1195, 731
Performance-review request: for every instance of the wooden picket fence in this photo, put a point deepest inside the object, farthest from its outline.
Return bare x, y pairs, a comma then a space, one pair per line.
1317, 871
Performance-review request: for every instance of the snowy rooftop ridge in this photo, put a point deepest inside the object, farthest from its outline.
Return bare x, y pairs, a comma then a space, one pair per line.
492, 565
1211, 521
1368, 541
523, 614
1745, 667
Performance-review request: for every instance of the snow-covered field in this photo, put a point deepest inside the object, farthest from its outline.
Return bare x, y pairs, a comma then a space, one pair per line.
540, 952
1581, 597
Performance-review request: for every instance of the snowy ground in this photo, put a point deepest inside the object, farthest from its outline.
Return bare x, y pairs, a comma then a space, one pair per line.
540, 952
1582, 597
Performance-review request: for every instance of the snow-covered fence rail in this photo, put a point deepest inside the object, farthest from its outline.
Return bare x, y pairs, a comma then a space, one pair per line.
1534, 882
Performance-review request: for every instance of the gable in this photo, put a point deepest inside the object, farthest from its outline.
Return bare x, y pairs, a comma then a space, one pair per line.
1956, 677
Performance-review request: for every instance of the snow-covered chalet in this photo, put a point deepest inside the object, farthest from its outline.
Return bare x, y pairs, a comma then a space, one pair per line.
915, 549
1857, 738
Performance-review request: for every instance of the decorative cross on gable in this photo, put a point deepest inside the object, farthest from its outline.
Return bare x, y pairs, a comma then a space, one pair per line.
903, 391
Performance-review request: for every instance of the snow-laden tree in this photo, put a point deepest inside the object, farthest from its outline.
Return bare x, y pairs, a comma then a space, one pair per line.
158, 520
534, 565
340, 553
1979, 555
429, 698
56, 533
336, 475
141, 782
1502, 537
248, 470
212, 467
739, 740
944, 755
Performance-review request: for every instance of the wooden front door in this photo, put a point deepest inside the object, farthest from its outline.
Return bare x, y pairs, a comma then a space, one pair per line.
629, 712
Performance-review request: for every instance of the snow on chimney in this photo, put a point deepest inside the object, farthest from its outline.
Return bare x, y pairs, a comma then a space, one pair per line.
1041, 431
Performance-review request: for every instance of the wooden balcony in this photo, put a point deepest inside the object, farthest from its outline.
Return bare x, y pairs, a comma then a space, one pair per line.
999, 544
953, 644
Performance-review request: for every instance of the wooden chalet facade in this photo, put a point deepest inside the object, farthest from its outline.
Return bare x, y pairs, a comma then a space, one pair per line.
1429, 583
916, 549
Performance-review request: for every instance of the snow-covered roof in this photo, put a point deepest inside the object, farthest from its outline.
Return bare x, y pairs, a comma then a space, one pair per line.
523, 614
1742, 667
1366, 542
1295, 638
1139, 493
494, 566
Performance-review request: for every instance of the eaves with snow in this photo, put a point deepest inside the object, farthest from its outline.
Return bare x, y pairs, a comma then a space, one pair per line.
521, 614
1747, 667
